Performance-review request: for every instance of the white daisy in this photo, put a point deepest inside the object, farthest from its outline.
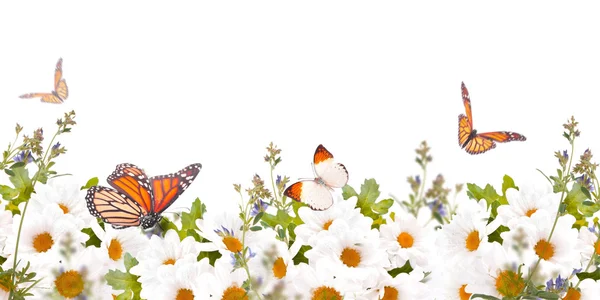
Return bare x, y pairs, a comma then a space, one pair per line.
525, 202
224, 233
182, 280
590, 289
403, 286
467, 231
63, 192
318, 221
357, 254
224, 282
6, 221
116, 242
162, 252
587, 245
449, 281
558, 255
405, 240
324, 281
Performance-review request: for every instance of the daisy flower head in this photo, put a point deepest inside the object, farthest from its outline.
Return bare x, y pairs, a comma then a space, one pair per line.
588, 244
63, 192
526, 201
467, 232
224, 231
116, 242
403, 286
42, 234
224, 282
359, 255
559, 254
325, 281
6, 221
182, 280
589, 290
159, 253
405, 240
318, 221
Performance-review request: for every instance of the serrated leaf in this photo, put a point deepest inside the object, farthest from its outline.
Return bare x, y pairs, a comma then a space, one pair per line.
495, 236
383, 206
90, 183
129, 261
20, 179
488, 193
211, 256
574, 205
93, 239
407, 268
188, 220
300, 258
8, 193
369, 191
120, 280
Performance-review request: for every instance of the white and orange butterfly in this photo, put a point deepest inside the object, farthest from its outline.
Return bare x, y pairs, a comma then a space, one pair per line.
316, 193
60, 92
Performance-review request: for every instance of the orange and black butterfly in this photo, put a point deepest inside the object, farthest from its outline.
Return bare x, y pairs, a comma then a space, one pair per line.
136, 199
476, 143
60, 92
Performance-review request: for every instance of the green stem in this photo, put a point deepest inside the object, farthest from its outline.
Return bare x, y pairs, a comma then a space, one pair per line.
275, 190
243, 256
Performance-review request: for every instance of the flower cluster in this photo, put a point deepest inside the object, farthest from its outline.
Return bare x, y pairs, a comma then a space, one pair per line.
521, 242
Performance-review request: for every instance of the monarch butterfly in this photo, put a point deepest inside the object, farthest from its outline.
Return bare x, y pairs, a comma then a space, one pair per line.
476, 143
136, 199
316, 193
60, 92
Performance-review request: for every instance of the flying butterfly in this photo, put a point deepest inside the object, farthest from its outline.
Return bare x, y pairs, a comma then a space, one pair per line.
476, 143
135, 199
60, 92
316, 193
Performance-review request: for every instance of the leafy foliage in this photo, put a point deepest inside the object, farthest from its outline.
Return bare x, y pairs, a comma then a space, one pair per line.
125, 281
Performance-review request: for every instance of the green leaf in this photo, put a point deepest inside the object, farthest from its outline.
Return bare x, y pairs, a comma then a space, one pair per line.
482, 296
20, 179
129, 261
575, 206
93, 240
495, 236
212, 256
90, 183
188, 220
369, 191
546, 295
8, 193
477, 193
255, 228
593, 275
257, 217
299, 258
507, 183
348, 192
383, 206
120, 280
407, 268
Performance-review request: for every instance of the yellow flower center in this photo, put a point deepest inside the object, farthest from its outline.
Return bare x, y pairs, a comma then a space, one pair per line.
234, 293
572, 294
326, 293
544, 249
184, 294
43, 242
327, 224
390, 293
115, 250
530, 212
279, 268
169, 261
69, 284
597, 247
509, 284
350, 257
232, 244
64, 208
405, 240
472, 242
462, 294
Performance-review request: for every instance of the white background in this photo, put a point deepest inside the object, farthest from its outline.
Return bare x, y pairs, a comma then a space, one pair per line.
163, 86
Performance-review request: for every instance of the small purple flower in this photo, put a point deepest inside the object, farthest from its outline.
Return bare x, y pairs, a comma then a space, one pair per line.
278, 180
565, 155
259, 206
55, 147
224, 231
560, 285
438, 206
24, 157
418, 179
576, 271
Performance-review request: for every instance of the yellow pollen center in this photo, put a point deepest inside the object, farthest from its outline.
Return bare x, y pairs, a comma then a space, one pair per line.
279, 268
327, 224
184, 294
64, 208
234, 293
544, 249
572, 294
597, 247
169, 261
115, 250
232, 244
530, 212
509, 284
350, 257
43, 242
325, 292
462, 294
390, 293
69, 284
472, 242
405, 240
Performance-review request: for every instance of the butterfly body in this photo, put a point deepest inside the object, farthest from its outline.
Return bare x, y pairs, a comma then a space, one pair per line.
316, 193
135, 199
474, 142
60, 92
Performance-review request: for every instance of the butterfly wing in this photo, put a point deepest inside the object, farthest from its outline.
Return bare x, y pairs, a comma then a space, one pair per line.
333, 174
464, 130
46, 97
167, 188
479, 144
467, 103
57, 73
317, 196
113, 207
132, 181
503, 136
